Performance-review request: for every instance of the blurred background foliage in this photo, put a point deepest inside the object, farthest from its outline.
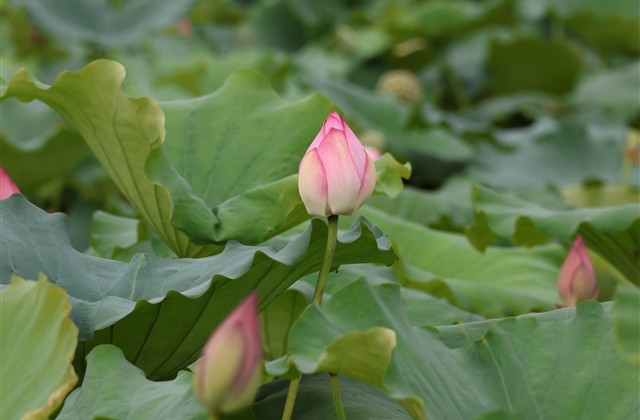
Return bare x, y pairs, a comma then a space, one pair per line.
535, 98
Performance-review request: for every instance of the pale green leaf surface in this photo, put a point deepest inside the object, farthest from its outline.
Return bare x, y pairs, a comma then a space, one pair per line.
614, 91
610, 231
103, 23
581, 148
501, 281
237, 149
276, 320
38, 343
119, 130
115, 389
514, 218
111, 233
495, 365
626, 318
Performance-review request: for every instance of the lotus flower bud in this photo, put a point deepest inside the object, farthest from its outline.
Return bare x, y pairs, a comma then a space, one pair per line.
229, 372
336, 175
7, 186
577, 281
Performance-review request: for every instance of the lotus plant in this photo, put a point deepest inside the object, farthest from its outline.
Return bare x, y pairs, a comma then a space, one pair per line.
7, 186
229, 371
336, 176
577, 280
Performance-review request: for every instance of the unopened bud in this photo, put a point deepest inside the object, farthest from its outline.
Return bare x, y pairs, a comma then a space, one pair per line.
577, 280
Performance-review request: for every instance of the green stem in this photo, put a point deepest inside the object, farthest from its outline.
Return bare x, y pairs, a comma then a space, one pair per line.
337, 400
332, 235
291, 399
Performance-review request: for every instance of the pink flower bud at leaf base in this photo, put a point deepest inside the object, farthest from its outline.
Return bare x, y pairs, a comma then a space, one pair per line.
577, 280
7, 186
336, 174
230, 370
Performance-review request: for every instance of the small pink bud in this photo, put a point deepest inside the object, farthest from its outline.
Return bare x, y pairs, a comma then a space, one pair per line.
229, 371
577, 280
7, 186
336, 175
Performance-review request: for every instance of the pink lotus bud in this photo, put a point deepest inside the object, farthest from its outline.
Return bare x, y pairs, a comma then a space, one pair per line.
577, 281
336, 175
7, 186
229, 371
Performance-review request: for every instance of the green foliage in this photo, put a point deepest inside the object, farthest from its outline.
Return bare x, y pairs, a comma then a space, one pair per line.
159, 200
502, 281
472, 369
36, 357
128, 393
527, 223
161, 325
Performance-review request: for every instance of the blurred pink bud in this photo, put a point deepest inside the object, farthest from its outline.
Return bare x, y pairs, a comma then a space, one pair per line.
373, 152
229, 371
336, 175
7, 186
577, 280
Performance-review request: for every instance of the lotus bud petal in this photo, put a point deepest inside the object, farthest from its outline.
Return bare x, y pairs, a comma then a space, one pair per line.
229, 372
373, 152
577, 280
7, 186
336, 174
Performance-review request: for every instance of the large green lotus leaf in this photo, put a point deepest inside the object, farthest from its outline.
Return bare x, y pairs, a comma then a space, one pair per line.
119, 130
449, 206
115, 389
315, 401
110, 233
496, 365
160, 312
370, 109
219, 171
626, 317
422, 308
38, 342
57, 157
43, 124
443, 18
532, 64
276, 320
238, 149
607, 230
500, 281
616, 33
613, 91
102, 22
581, 148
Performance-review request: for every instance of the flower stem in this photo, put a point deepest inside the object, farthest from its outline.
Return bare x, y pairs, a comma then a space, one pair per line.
332, 235
291, 399
337, 400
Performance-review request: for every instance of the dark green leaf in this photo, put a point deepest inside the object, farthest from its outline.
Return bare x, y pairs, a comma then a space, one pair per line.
160, 312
